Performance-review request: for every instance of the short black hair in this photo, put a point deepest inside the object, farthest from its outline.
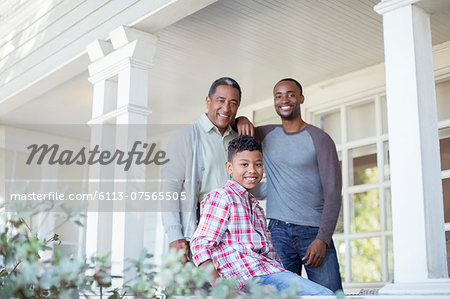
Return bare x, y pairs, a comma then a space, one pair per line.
224, 81
243, 143
292, 80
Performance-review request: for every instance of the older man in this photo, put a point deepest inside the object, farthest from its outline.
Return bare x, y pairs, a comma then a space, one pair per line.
198, 153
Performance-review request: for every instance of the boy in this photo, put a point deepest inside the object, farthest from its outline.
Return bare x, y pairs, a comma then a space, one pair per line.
232, 233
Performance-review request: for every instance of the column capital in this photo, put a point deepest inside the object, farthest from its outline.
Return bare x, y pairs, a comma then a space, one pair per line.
124, 35
99, 49
430, 6
128, 48
386, 6
104, 70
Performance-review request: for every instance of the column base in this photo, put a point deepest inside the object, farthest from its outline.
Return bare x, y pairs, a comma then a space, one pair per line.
429, 287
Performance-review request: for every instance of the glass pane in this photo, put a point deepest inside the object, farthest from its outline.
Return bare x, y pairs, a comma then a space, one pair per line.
330, 122
19, 176
21, 172
364, 164
265, 116
384, 121
444, 143
443, 100
361, 121
339, 153
390, 255
366, 260
387, 197
340, 248
365, 212
340, 223
69, 179
387, 169
446, 196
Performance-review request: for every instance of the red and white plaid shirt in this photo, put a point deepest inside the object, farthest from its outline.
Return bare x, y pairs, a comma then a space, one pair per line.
234, 235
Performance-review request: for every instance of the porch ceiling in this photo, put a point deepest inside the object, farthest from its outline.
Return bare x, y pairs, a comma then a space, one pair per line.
257, 42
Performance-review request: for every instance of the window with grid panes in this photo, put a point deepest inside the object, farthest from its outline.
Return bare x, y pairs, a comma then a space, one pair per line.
443, 109
363, 235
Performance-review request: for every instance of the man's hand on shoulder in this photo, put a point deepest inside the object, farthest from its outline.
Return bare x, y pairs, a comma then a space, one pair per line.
244, 126
181, 244
315, 253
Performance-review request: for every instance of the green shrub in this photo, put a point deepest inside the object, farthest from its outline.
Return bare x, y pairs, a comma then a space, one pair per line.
26, 273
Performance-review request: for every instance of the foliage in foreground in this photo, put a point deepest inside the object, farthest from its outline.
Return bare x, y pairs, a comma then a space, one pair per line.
177, 279
32, 266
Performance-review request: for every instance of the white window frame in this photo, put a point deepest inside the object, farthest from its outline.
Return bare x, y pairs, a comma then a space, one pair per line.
17, 146
445, 174
379, 139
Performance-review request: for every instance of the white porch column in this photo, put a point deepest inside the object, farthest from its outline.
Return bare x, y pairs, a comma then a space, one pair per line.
98, 225
119, 71
417, 206
131, 119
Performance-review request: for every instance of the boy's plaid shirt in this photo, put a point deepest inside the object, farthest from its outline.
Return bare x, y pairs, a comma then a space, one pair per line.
234, 236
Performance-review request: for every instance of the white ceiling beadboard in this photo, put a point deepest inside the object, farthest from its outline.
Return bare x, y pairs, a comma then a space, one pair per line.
257, 42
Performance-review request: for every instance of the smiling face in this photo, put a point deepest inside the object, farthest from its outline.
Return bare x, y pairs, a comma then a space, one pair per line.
222, 107
287, 99
246, 168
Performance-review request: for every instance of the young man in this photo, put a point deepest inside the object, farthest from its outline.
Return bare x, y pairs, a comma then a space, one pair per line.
232, 233
303, 189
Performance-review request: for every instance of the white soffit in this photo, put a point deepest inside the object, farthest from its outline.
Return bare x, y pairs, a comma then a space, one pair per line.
258, 42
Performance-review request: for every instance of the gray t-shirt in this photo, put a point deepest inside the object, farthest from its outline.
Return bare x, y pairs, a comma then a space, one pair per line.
303, 177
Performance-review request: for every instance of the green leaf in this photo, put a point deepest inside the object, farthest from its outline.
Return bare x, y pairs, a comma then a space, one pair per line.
17, 223
115, 294
3, 273
78, 223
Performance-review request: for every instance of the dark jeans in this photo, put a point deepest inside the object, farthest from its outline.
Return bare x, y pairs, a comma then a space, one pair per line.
291, 242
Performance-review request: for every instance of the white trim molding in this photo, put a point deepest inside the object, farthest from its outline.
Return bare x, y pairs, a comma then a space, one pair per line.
112, 115
386, 6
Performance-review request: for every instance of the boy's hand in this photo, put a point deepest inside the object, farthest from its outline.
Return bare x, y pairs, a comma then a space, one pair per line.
181, 244
244, 126
214, 274
315, 253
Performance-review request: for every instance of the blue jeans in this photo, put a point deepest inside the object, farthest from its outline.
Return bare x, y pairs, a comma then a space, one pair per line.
291, 242
283, 280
